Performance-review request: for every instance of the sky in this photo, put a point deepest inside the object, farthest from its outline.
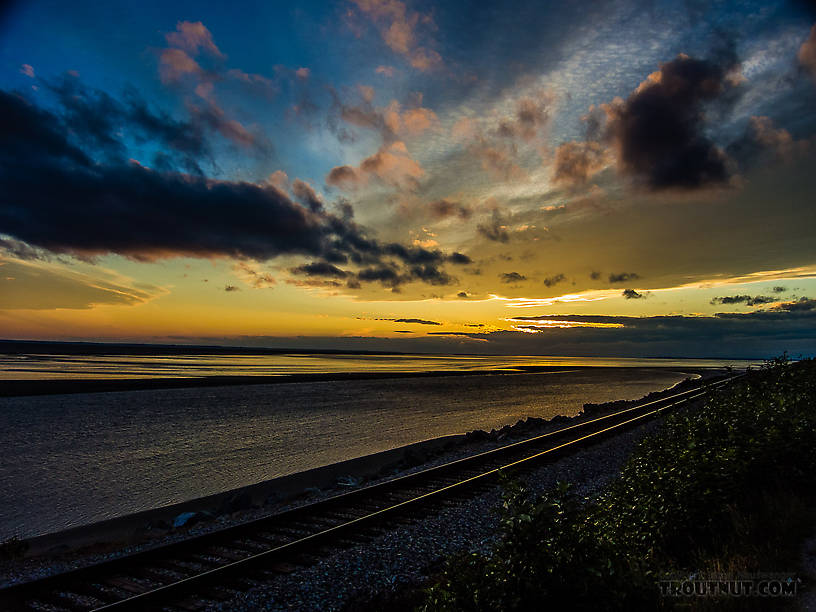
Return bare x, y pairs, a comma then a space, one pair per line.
627, 178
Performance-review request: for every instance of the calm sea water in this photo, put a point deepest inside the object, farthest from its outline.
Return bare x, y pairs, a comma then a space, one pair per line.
38, 366
74, 459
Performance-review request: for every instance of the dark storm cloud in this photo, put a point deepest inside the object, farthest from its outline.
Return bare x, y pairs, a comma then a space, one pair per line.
319, 268
459, 258
430, 274
415, 321
512, 277
802, 305
631, 294
382, 274
442, 209
779, 289
451, 333
743, 299
495, 229
659, 130
622, 277
55, 196
554, 280
95, 118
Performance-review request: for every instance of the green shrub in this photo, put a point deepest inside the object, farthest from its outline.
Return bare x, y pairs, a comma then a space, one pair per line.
682, 497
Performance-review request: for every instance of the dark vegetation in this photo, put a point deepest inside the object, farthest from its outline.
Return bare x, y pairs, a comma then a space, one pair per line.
726, 488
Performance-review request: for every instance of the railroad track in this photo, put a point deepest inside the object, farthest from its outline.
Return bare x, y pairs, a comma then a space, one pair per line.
199, 571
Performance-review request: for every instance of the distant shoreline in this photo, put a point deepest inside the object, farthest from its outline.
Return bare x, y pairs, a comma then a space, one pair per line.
55, 386
56, 347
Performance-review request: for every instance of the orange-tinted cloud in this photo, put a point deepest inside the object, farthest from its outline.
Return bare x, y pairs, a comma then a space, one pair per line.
498, 160
575, 162
256, 82
398, 28
392, 121
387, 71
417, 120
279, 179
807, 53
392, 165
250, 274
465, 128
174, 64
344, 177
776, 139
192, 37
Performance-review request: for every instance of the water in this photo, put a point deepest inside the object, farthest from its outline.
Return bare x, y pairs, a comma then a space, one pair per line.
38, 366
74, 459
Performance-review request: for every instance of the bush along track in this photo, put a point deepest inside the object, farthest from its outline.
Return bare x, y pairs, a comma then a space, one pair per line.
725, 491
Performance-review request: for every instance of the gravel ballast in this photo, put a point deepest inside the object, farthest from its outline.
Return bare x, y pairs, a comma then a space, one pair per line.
408, 554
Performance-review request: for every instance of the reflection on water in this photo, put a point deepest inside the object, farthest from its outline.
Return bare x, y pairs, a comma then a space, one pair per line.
38, 366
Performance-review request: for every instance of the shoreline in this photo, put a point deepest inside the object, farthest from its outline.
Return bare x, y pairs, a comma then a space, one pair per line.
57, 386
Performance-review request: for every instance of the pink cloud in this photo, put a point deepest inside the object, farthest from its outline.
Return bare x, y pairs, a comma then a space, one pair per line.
205, 90
279, 179
174, 64
367, 92
344, 177
192, 37
417, 120
499, 160
425, 59
391, 120
303, 73
465, 128
392, 164
27, 70
398, 28
256, 82
385, 70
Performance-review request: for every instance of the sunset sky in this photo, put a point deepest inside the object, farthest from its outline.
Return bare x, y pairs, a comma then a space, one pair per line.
574, 178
